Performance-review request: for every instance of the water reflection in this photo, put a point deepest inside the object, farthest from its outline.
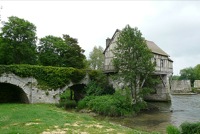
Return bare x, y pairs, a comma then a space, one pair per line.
182, 108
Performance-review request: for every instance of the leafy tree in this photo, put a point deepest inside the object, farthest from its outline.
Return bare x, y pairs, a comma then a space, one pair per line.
190, 73
175, 77
51, 49
64, 52
18, 42
74, 56
133, 60
96, 58
187, 74
197, 72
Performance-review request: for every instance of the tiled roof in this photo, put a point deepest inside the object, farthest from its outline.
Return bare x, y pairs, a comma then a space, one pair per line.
150, 44
155, 49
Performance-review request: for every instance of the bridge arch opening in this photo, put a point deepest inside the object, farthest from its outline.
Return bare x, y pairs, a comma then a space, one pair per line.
10, 93
77, 91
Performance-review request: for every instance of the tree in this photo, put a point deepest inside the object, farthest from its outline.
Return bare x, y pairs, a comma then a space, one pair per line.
63, 52
175, 77
133, 60
74, 56
187, 73
190, 73
18, 42
196, 72
96, 58
51, 50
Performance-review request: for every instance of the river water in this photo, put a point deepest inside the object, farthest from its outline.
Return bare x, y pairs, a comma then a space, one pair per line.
183, 108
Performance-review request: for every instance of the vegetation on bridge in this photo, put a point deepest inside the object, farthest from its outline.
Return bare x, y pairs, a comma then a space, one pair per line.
47, 76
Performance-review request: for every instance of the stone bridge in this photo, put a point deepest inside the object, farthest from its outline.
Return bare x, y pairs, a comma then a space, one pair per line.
26, 90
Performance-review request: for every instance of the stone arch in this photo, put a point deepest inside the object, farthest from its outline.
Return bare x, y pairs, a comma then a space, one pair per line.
25, 84
10, 93
78, 91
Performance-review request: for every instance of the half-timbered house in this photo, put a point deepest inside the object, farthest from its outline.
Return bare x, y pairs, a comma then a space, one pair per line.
163, 68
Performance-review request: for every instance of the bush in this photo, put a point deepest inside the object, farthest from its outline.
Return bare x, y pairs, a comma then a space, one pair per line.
195, 90
84, 102
96, 89
172, 130
190, 128
118, 104
100, 80
65, 95
139, 106
93, 89
186, 128
123, 101
103, 105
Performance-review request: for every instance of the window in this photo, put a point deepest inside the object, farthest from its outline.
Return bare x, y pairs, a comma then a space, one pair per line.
155, 61
161, 62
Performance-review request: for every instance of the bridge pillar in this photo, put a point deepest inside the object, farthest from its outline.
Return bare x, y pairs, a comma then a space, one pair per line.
162, 90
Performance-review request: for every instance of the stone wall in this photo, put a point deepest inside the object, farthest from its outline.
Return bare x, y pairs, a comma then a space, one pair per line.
197, 84
181, 86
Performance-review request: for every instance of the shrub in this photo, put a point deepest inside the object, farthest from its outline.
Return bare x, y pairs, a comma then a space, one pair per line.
93, 89
65, 95
190, 128
103, 105
101, 80
172, 130
118, 104
139, 106
84, 102
195, 90
96, 89
122, 100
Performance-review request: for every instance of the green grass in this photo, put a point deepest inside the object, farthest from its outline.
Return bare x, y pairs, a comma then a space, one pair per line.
41, 118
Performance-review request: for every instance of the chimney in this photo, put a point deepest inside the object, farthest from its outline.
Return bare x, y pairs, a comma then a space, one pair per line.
107, 41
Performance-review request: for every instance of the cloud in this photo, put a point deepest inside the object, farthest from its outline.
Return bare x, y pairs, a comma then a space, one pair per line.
172, 25
175, 28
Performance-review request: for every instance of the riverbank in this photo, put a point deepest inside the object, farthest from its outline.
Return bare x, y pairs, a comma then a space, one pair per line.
48, 119
183, 108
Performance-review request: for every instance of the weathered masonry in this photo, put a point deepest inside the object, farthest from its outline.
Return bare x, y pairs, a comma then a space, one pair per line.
16, 89
163, 69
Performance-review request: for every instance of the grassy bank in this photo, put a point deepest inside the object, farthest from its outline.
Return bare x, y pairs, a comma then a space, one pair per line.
48, 119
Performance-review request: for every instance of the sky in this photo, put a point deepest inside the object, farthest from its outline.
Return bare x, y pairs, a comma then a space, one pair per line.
173, 25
